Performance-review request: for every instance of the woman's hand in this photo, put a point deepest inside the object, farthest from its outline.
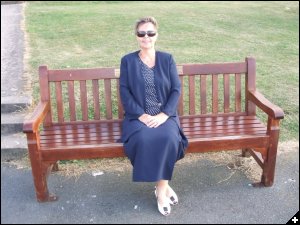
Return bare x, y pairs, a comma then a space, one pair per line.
153, 121
144, 118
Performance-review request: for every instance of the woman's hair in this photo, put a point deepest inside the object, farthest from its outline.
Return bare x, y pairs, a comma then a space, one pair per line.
143, 20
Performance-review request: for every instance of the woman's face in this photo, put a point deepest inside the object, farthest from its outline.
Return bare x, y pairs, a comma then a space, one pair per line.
147, 42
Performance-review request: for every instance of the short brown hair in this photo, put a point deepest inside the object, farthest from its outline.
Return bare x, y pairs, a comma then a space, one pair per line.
143, 20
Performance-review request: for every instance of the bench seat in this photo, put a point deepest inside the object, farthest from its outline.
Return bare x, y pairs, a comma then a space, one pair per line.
77, 140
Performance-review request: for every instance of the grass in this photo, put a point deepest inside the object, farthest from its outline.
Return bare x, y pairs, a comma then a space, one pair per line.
96, 34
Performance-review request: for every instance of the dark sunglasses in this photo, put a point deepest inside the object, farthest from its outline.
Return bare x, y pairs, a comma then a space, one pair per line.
143, 33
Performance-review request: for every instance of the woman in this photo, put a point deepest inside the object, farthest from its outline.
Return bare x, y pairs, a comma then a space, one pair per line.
151, 134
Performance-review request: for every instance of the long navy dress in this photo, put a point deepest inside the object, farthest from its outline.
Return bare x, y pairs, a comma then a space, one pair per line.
153, 152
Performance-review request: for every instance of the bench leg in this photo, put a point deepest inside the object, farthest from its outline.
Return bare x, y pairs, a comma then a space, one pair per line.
40, 182
267, 178
40, 170
245, 153
55, 167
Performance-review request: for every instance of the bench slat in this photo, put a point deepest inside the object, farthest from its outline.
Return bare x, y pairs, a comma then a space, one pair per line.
192, 95
238, 93
59, 102
83, 99
203, 100
79, 141
180, 104
71, 95
218, 123
80, 130
227, 143
215, 96
120, 107
96, 97
108, 102
226, 85
108, 150
199, 69
81, 74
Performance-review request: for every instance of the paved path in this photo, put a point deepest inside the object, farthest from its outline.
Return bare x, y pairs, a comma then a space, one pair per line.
113, 198
12, 49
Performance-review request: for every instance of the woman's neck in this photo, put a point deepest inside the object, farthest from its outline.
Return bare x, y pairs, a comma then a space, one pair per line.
147, 53
148, 57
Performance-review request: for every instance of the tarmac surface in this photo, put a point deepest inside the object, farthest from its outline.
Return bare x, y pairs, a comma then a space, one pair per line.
208, 193
205, 196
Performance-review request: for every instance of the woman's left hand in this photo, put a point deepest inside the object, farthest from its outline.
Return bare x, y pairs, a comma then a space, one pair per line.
156, 121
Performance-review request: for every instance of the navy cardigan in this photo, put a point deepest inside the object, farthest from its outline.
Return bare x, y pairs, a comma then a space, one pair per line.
132, 90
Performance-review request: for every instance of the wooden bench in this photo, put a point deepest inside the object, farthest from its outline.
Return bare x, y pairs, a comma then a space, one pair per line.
81, 114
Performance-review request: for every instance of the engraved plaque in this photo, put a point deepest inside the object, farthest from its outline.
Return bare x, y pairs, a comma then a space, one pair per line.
180, 69
117, 73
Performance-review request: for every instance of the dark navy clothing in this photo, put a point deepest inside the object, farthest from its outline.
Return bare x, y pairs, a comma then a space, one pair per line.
152, 151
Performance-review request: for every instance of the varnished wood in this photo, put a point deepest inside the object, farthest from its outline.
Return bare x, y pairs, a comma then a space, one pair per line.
120, 107
59, 102
45, 92
210, 127
214, 68
108, 99
192, 95
81, 74
180, 104
250, 85
96, 97
203, 102
83, 99
238, 93
257, 158
269, 108
215, 96
226, 93
31, 125
71, 96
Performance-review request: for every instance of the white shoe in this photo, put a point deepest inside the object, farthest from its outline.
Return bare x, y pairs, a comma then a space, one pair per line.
163, 209
173, 199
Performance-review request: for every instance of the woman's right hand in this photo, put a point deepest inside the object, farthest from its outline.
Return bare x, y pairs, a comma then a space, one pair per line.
145, 118
153, 121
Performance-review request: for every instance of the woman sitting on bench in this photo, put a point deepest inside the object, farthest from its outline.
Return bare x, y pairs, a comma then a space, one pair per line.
151, 134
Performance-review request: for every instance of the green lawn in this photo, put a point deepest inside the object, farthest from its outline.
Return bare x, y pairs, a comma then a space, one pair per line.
96, 34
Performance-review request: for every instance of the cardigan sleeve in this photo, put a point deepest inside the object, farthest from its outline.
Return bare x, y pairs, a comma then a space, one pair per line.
170, 108
132, 109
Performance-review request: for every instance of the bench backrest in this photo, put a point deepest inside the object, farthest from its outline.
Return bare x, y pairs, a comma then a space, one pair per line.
93, 94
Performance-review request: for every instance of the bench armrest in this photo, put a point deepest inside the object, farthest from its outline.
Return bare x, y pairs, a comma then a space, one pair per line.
32, 124
259, 100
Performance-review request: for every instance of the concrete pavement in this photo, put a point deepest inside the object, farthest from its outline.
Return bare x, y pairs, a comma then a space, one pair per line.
15, 92
114, 198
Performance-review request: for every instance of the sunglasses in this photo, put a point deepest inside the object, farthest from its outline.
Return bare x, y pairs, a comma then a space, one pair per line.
143, 33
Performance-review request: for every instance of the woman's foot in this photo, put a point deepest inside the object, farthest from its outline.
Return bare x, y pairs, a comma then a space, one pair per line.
163, 204
171, 196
